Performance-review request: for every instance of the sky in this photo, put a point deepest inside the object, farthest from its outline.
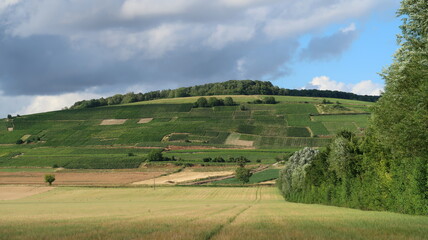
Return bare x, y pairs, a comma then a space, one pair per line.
56, 52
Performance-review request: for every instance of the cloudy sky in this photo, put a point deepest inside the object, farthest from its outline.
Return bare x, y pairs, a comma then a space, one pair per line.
55, 52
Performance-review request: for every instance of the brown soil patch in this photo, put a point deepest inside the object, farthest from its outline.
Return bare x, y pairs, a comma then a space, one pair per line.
145, 120
17, 192
183, 177
270, 182
233, 139
113, 121
78, 178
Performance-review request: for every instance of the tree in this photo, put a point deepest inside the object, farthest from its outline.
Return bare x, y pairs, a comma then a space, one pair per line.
401, 114
269, 100
9, 116
49, 178
155, 155
243, 174
201, 102
228, 101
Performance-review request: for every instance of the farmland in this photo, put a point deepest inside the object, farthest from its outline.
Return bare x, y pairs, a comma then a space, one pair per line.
191, 213
121, 136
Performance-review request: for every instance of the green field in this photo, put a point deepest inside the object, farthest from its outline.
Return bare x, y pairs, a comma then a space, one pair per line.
193, 213
259, 177
77, 138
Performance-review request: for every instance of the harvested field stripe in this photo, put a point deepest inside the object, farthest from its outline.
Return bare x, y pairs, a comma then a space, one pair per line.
106, 122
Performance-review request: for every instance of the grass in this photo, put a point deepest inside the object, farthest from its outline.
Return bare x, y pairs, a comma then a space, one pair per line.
193, 213
259, 177
291, 123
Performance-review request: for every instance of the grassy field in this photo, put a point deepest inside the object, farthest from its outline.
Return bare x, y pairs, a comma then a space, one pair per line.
78, 139
193, 213
259, 177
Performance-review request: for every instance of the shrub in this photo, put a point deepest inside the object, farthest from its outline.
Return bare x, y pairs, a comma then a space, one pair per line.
292, 177
228, 101
155, 155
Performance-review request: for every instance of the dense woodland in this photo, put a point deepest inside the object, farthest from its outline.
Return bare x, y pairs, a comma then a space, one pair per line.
387, 168
232, 87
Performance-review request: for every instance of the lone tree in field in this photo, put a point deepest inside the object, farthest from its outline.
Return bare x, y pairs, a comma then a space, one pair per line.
49, 178
243, 174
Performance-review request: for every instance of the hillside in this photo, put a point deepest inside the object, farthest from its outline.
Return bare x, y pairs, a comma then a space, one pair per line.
231, 87
120, 136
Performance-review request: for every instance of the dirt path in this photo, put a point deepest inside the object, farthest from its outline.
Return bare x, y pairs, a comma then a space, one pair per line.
183, 176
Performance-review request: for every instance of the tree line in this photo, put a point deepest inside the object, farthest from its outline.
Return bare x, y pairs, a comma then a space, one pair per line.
387, 168
232, 87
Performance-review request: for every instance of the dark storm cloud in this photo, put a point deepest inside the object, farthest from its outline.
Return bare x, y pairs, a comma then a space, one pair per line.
54, 46
324, 48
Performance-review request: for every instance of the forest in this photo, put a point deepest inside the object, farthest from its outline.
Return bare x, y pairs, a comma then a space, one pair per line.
386, 169
232, 87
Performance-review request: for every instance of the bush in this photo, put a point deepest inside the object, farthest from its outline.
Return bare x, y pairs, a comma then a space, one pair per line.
269, 100
292, 177
19, 141
155, 155
243, 108
228, 101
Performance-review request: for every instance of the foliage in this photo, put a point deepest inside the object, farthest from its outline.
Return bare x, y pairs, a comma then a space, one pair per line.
258, 177
243, 174
201, 102
232, 87
292, 177
49, 178
155, 155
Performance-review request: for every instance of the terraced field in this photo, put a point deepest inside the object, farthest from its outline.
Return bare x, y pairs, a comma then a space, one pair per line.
190, 213
121, 136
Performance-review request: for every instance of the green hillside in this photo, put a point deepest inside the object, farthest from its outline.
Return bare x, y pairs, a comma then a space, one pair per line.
120, 136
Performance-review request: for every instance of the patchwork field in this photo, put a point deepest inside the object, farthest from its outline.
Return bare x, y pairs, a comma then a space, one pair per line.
121, 136
192, 213
80, 178
182, 177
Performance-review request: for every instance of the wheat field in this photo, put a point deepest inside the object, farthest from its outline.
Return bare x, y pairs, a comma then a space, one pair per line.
192, 213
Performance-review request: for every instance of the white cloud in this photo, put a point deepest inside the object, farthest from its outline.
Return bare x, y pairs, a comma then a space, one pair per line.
366, 87
224, 35
7, 3
148, 8
350, 28
51, 103
305, 16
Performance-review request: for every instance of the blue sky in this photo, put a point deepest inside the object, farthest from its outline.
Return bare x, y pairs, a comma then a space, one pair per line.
56, 52
372, 50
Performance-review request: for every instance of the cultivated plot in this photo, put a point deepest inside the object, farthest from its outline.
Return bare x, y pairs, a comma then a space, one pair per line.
193, 213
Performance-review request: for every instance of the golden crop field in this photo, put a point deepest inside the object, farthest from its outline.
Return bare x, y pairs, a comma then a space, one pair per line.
192, 213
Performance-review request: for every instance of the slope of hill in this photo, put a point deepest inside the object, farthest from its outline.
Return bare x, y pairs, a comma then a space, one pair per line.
231, 87
120, 136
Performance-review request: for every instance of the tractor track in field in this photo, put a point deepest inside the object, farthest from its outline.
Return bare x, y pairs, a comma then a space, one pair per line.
210, 235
